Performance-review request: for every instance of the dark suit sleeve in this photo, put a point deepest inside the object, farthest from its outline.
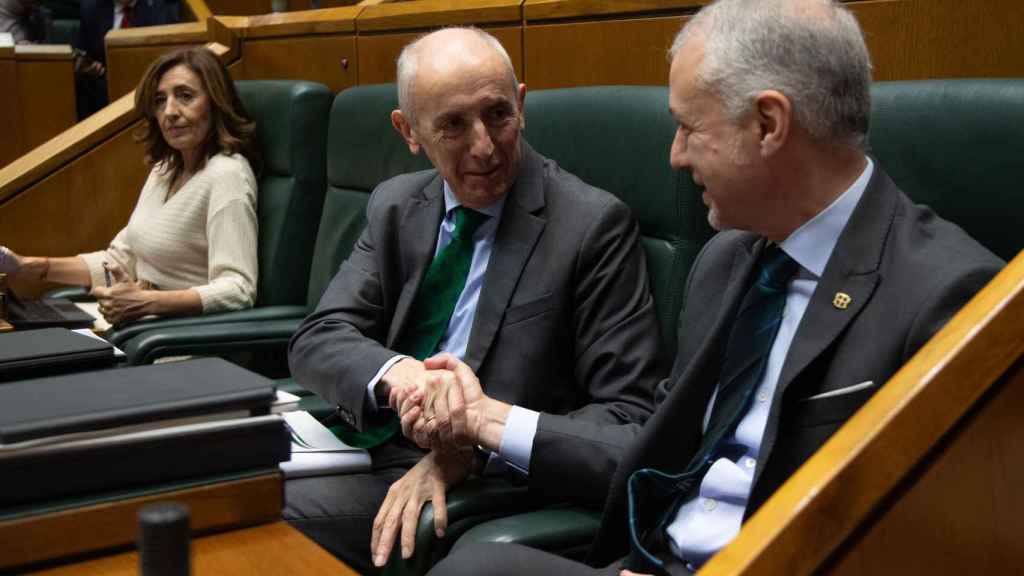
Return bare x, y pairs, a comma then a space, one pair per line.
945, 300
337, 350
619, 360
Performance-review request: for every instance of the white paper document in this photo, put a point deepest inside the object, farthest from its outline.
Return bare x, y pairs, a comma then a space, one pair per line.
317, 452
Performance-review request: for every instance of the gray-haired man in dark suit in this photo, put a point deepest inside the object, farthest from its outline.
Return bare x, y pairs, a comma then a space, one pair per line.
824, 280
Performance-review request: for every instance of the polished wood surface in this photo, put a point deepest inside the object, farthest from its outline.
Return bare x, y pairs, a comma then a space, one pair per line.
11, 144
865, 480
378, 53
225, 505
605, 52
270, 550
434, 13
184, 33
556, 9
324, 21
240, 7
197, 9
330, 60
46, 92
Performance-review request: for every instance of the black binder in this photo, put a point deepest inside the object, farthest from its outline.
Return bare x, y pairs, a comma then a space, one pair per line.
33, 353
104, 399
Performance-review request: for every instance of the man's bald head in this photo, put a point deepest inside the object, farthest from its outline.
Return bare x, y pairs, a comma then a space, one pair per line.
444, 52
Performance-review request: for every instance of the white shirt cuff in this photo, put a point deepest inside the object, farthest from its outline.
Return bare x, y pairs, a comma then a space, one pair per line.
371, 398
517, 439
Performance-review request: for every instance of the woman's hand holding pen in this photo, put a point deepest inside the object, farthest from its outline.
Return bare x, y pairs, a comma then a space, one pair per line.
124, 299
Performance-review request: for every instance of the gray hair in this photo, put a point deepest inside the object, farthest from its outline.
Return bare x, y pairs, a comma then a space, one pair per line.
408, 62
816, 56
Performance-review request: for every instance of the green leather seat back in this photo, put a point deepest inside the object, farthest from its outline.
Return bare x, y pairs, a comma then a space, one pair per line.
363, 150
955, 145
618, 138
290, 124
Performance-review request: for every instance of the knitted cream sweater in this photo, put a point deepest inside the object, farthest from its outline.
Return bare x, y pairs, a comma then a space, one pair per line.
203, 237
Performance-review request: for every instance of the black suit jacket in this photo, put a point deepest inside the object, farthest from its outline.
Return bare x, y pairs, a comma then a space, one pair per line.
97, 18
906, 272
565, 320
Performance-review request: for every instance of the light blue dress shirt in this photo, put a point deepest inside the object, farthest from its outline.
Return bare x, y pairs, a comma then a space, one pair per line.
456, 337
706, 523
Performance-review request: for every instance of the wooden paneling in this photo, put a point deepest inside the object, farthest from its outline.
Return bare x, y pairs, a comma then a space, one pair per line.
271, 550
967, 503
870, 465
239, 7
330, 60
378, 53
101, 526
197, 9
78, 208
10, 118
46, 88
630, 51
555, 9
435, 13
326, 21
913, 39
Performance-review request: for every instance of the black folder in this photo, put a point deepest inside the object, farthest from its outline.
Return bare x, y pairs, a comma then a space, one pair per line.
33, 353
90, 401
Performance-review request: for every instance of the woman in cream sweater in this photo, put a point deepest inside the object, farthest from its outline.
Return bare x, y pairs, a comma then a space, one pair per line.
190, 245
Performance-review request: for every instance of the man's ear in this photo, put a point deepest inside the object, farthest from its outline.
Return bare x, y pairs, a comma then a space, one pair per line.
404, 128
521, 101
774, 118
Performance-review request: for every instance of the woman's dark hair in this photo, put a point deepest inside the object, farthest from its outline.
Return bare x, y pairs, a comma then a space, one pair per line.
231, 129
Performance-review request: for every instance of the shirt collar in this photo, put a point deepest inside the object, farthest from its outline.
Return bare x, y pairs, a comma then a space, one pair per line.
451, 203
811, 245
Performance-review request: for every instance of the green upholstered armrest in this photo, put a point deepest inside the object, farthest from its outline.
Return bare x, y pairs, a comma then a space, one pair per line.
477, 500
209, 339
565, 531
73, 293
120, 336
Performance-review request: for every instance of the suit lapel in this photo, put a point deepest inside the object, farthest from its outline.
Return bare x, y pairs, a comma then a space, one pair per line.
845, 287
517, 234
849, 279
419, 228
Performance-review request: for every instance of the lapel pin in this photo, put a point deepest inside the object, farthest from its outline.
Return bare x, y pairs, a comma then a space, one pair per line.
842, 300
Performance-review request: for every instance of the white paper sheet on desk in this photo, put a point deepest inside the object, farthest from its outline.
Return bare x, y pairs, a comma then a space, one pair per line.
317, 452
100, 323
118, 353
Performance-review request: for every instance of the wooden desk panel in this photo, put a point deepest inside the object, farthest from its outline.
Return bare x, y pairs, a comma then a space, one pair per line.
378, 53
389, 17
603, 52
46, 89
271, 550
78, 208
330, 60
10, 118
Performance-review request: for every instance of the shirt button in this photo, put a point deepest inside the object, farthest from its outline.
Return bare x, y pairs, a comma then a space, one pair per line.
709, 504
749, 463
762, 397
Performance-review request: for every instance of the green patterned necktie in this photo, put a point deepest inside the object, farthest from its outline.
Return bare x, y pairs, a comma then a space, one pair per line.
428, 321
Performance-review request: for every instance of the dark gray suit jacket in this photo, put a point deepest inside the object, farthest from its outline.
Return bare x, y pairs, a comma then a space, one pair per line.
565, 320
906, 271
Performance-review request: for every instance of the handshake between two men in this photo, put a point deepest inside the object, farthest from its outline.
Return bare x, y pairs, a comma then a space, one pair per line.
442, 408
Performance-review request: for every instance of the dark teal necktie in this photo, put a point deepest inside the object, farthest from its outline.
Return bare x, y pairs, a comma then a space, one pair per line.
750, 342
428, 320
